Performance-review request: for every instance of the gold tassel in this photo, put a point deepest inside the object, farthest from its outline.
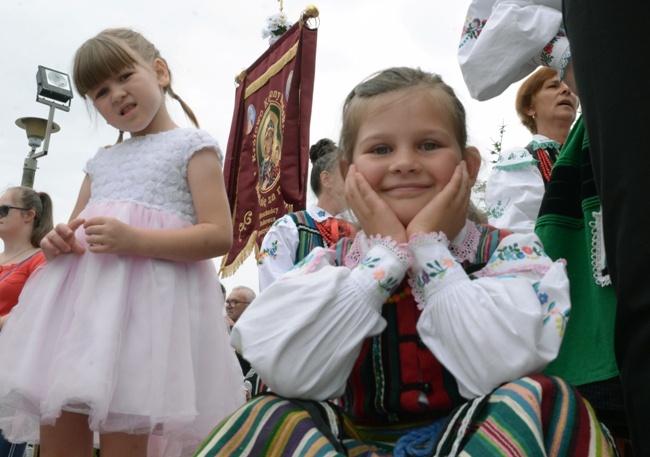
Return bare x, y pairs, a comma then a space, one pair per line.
229, 270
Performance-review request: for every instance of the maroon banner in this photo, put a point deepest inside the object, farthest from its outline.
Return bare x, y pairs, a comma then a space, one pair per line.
268, 149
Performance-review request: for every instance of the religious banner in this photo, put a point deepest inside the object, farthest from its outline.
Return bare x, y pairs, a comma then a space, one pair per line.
267, 156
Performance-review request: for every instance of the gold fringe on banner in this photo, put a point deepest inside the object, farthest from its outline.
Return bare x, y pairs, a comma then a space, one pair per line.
229, 270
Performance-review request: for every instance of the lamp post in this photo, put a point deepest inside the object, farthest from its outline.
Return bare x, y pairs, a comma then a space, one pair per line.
53, 88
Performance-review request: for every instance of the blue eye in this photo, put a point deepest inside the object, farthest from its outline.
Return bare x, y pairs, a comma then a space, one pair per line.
381, 150
429, 146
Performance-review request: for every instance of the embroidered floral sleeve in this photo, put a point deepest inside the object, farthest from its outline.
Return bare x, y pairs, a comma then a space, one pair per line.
434, 267
500, 324
555, 54
278, 251
514, 191
303, 333
502, 41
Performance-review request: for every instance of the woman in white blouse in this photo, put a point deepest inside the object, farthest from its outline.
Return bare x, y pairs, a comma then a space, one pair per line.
516, 185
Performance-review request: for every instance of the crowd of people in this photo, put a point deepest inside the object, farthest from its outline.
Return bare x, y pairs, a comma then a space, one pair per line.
415, 329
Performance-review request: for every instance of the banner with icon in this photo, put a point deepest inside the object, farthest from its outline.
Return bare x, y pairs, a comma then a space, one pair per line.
267, 156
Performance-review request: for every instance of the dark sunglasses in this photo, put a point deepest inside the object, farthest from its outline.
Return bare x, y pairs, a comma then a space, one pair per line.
4, 209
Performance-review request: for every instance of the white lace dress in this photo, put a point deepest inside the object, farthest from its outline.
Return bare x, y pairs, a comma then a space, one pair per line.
139, 344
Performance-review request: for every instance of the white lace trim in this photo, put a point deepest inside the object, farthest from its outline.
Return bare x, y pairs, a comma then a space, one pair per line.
598, 256
537, 269
466, 250
362, 245
420, 239
416, 241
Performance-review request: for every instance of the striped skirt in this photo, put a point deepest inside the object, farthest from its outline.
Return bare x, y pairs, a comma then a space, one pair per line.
534, 416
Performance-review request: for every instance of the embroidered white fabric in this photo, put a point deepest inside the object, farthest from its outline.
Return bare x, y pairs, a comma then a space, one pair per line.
466, 250
598, 256
158, 166
362, 244
425, 239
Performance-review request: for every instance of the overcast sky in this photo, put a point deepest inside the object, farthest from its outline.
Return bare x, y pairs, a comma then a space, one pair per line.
207, 43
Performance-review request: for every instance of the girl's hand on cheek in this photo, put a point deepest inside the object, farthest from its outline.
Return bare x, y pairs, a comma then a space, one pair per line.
447, 212
107, 235
374, 215
61, 240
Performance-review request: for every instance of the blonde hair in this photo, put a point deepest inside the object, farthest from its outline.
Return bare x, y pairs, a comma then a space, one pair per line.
526, 96
392, 80
111, 51
402, 79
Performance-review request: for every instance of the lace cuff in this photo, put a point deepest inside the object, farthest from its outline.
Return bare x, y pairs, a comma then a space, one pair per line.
381, 269
555, 54
464, 249
434, 266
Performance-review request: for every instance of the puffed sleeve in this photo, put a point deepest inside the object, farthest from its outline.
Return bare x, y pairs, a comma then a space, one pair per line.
505, 324
278, 251
505, 40
514, 191
304, 332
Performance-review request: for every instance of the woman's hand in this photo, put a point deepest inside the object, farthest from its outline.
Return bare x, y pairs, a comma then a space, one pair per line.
107, 235
374, 215
447, 211
61, 240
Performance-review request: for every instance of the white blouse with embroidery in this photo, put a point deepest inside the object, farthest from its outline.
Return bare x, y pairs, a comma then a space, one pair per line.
503, 41
278, 249
515, 188
304, 332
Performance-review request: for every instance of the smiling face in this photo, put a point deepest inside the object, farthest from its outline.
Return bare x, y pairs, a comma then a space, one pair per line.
406, 148
132, 100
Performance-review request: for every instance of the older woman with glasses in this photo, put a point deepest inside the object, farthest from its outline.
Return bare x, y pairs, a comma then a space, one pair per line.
25, 218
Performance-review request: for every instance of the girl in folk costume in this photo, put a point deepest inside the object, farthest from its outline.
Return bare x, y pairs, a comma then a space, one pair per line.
425, 323
516, 185
122, 334
294, 235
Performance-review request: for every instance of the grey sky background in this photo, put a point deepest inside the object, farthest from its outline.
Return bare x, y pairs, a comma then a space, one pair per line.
206, 44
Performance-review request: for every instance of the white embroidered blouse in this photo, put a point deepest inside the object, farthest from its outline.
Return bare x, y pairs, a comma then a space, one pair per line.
278, 249
503, 41
515, 188
304, 332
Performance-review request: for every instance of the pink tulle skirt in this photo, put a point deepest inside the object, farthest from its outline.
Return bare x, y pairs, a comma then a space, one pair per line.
138, 344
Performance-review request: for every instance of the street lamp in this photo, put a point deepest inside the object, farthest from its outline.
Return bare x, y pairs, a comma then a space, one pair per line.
53, 88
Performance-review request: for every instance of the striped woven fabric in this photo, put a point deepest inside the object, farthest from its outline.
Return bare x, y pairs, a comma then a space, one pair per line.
308, 235
533, 416
271, 426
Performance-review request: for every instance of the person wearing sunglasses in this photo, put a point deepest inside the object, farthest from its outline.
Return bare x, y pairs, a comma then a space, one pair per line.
25, 218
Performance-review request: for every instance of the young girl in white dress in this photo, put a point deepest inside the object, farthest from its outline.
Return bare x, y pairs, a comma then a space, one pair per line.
122, 333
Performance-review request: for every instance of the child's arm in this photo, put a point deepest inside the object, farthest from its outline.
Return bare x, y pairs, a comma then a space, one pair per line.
61, 239
210, 237
278, 251
506, 324
304, 332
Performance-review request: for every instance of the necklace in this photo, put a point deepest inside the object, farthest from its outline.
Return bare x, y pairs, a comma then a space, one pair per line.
3, 262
